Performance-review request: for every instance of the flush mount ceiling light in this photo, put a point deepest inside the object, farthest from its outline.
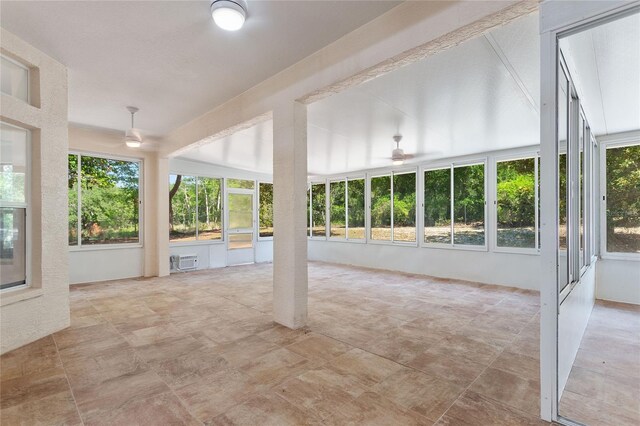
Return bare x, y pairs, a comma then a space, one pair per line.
132, 138
229, 14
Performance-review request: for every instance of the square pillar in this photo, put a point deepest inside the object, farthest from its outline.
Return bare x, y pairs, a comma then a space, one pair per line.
290, 279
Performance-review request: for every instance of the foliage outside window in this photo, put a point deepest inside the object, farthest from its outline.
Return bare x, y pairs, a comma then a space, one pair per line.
106, 194
623, 199
240, 183
381, 208
437, 206
562, 201
195, 208
338, 212
318, 210
516, 203
266, 209
356, 213
309, 211
404, 207
468, 205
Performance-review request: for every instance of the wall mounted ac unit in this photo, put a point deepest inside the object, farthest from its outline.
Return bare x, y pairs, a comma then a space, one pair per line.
183, 262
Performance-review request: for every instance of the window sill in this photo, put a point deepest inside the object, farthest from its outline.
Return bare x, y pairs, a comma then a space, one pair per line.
505, 250
11, 297
92, 247
196, 243
455, 247
633, 257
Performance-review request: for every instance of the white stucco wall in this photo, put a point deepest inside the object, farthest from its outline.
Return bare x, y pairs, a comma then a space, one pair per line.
618, 280
43, 308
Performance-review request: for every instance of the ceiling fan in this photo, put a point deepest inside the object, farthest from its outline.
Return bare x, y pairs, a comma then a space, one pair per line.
398, 155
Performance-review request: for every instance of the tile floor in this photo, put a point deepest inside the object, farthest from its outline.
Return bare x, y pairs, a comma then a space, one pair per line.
604, 383
201, 348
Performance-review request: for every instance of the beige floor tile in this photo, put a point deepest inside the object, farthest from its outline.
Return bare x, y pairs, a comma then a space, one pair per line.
367, 368
58, 408
440, 363
319, 348
473, 409
510, 389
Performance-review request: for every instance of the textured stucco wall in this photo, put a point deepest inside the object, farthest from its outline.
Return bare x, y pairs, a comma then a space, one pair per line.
29, 314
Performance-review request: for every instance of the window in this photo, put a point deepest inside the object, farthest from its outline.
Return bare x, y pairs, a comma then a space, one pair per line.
516, 203
381, 208
393, 207
195, 208
622, 199
15, 79
106, 200
265, 211
318, 210
338, 211
468, 205
240, 183
437, 206
356, 209
13, 205
309, 211
404, 207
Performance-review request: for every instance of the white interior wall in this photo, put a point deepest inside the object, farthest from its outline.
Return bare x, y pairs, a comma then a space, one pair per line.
31, 313
618, 280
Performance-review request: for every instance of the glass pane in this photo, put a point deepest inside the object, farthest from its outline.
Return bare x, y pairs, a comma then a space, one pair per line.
15, 79
240, 241
437, 206
468, 203
309, 212
381, 208
623, 199
240, 211
182, 208
73, 199
355, 191
109, 200
581, 207
209, 209
516, 206
13, 163
12, 246
563, 170
266, 209
318, 210
240, 183
338, 209
404, 207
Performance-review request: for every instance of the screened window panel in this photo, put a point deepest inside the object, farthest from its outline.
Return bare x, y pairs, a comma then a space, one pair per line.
240, 211
13, 166
318, 210
109, 204
209, 208
15, 79
381, 208
437, 206
182, 208
13, 247
73, 199
516, 203
404, 207
355, 191
265, 210
338, 211
240, 184
469, 205
623, 199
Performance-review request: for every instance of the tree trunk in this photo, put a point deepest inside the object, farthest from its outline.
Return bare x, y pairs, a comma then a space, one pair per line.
172, 193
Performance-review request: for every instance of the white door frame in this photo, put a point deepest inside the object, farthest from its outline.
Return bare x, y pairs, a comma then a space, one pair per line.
556, 18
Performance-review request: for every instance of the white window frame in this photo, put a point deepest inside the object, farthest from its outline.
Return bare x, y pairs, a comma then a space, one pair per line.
391, 173
258, 183
223, 217
27, 205
611, 142
452, 165
26, 68
525, 155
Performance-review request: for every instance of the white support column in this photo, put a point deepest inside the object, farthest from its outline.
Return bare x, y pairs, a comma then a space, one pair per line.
290, 280
162, 212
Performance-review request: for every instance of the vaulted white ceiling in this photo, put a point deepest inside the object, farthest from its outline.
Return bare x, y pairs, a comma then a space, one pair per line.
167, 57
482, 95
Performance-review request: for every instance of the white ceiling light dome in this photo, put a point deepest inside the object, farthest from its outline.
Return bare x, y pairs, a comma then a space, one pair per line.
132, 137
229, 14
